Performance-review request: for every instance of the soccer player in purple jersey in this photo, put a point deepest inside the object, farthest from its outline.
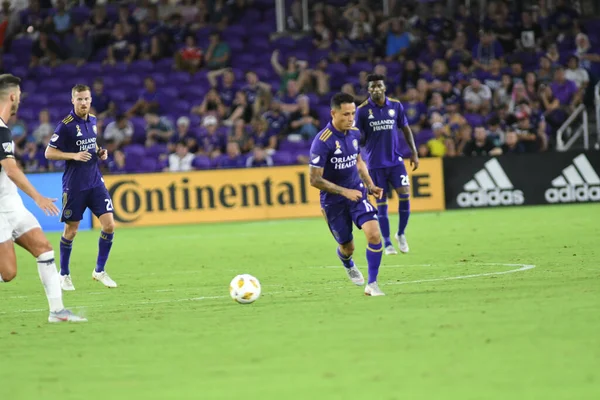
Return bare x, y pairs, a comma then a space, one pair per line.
338, 171
379, 118
17, 224
74, 141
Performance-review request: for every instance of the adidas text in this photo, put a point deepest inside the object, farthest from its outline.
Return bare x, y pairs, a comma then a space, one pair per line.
495, 197
571, 194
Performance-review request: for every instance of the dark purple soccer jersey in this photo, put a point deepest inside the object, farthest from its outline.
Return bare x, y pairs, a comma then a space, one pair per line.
337, 153
381, 129
73, 135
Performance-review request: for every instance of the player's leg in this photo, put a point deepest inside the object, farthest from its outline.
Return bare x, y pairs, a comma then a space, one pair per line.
340, 225
72, 213
28, 234
380, 179
8, 261
101, 205
401, 183
365, 217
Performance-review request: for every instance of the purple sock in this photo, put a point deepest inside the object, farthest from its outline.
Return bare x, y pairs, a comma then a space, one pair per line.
66, 246
346, 260
104, 245
404, 212
384, 222
374, 253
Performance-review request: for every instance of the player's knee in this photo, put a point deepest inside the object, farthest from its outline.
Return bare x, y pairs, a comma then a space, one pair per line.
109, 227
348, 248
404, 190
373, 236
70, 232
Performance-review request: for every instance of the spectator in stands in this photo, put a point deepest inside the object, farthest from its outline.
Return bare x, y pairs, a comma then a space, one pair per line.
240, 109
562, 19
531, 140
102, 103
518, 97
100, 27
263, 137
121, 48
322, 38
18, 130
545, 73
577, 74
254, 87
158, 129
239, 134
342, 46
531, 86
218, 53
183, 133
511, 144
232, 158
118, 133
290, 73
432, 52
397, 40
79, 47
211, 144
44, 128
504, 32
478, 94
9, 21
189, 57
116, 164
502, 95
45, 51
149, 46
529, 33
181, 159
148, 100
361, 21
316, 80
277, 120
224, 81
61, 20
211, 105
495, 132
453, 116
565, 90
415, 111
586, 57
304, 121
486, 50
32, 159
259, 158
289, 100
481, 144
458, 52
552, 54
437, 146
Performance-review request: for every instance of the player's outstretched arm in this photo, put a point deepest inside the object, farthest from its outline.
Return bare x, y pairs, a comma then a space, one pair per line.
410, 140
317, 180
14, 173
56, 154
363, 172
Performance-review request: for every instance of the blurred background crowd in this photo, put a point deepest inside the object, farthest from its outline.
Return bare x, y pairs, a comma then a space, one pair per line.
181, 85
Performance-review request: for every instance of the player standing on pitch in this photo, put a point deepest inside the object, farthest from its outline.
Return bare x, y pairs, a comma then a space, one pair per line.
337, 169
74, 140
16, 222
378, 118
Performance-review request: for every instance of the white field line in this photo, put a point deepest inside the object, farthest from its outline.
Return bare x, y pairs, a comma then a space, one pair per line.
522, 267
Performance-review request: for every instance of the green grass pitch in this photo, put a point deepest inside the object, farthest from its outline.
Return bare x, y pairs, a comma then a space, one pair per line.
466, 315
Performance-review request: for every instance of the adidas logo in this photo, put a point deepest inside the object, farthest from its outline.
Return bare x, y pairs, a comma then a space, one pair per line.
579, 182
337, 151
490, 187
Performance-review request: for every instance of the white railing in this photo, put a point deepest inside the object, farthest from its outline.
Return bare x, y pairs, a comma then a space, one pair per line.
574, 134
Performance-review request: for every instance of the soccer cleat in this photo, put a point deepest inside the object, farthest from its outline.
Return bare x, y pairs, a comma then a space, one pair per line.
390, 250
355, 276
66, 283
104, 279
372, 289
65, 315
402, 243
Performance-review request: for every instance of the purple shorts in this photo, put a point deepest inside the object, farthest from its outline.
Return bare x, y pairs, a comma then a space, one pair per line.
74, 204
340, 217
384, 177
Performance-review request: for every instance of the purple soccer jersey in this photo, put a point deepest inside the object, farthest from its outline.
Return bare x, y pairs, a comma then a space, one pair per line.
83, 186
337, 153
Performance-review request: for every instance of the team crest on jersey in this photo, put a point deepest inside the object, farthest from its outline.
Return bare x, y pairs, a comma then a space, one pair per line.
54, 138
68, 213
371, 116
78, 131
95, 130
338, 148
8, 147
392, 113
355, 144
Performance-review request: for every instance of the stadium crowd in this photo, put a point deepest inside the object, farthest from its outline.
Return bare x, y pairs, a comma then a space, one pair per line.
181, 85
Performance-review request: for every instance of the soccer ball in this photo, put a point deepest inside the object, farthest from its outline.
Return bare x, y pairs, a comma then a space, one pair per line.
244, 289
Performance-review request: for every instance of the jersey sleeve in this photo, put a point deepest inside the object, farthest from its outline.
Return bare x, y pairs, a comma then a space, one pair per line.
6, 144
402, 120
318, 153
59, 137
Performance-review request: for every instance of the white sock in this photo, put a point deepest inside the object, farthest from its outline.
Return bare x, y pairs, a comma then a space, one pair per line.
50, 280
1, 278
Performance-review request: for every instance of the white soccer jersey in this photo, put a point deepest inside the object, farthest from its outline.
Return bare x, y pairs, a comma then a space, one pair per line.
9, 196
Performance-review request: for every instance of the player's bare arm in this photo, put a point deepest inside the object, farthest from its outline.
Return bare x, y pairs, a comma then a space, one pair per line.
363, 172
410, 140
55, 154
317, 181
15, 174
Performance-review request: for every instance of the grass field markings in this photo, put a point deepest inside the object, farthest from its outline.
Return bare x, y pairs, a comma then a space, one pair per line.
523, 267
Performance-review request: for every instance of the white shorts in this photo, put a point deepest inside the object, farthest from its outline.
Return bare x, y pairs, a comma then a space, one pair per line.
16, 223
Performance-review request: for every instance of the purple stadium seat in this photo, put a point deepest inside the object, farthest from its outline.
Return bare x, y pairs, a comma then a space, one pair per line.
117, 95
99, 55
156, 150
165, 65
28, 86
338, 69
282, 157
143, 66
357, 67
201, 162
130, 79
285, 43
160, 78
423, 137
51, 85
134, 149
29, 114
40, 100
65, 70
179, 107
236, 45
80, 14
286, 145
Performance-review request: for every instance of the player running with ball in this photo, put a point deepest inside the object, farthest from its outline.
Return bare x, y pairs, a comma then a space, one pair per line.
338, 171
